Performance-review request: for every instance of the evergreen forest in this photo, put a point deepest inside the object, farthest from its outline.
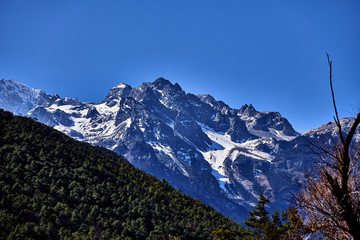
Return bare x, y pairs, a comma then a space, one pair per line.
53, 187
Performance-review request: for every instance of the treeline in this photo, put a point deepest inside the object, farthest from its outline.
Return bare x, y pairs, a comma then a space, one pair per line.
53, 187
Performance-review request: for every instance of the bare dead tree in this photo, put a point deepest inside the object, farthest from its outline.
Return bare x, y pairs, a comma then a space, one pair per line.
331, 199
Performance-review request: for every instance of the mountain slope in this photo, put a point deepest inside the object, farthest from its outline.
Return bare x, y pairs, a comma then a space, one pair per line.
204, 147
19, 98
190, 140
54, 187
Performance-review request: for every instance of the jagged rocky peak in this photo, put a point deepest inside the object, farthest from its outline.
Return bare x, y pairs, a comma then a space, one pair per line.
271, 122
57, 100
164, 84
216, 105
119, 91
248, 110
68, 101
145, 94
206, 98
161, 95
53, 99
161, 82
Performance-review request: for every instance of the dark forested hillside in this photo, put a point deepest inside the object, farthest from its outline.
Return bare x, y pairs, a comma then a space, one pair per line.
53, 187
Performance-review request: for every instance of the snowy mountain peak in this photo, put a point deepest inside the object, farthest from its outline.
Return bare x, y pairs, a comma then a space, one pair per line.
117, 92
330, 130
218, 105
19, 98
211, 151
121, 85
163, 84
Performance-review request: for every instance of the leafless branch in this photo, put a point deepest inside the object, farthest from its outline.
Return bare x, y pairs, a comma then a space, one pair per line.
331, 199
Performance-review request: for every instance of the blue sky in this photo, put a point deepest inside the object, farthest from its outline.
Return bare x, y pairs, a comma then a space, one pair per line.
271, 54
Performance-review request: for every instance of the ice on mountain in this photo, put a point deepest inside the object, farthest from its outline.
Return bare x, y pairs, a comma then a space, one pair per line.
191, 140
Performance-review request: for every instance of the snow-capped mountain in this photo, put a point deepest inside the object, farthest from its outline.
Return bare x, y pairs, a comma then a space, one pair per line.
19, 98
202, 146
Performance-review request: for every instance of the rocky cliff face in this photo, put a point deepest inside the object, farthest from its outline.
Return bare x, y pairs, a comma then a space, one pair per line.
202, 146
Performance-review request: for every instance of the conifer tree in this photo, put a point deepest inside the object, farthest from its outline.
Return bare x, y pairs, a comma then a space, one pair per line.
286, 225
258, 219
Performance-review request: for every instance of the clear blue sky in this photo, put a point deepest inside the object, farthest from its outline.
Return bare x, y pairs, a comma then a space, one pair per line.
267, 53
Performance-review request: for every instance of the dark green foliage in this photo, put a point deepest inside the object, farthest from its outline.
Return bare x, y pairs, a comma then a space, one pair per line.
53, 187
258, 220
224, 234
286, 226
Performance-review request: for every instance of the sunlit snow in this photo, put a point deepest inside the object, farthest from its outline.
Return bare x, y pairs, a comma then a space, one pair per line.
224, 148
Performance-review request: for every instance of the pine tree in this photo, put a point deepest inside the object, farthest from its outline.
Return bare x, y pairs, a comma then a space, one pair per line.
285, 226
258, 219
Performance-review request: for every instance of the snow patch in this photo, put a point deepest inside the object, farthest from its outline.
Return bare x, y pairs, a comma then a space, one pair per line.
280, 135
121, 85
169, 152
104, 109
222, 180
223, 148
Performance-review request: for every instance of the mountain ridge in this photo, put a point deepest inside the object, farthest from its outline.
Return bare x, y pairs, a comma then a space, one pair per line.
198, 144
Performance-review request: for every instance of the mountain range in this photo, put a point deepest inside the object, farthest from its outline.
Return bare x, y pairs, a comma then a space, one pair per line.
200, 145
